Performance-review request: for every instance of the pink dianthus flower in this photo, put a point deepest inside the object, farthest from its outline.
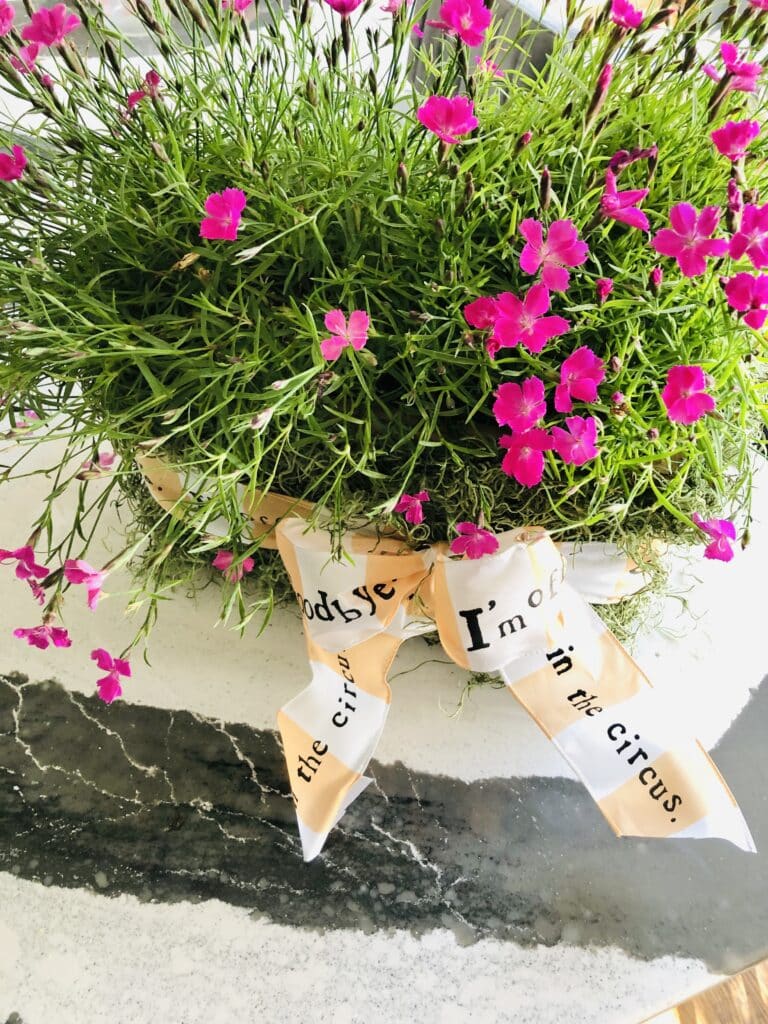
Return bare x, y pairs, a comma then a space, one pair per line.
481, 313
473, 541
344, 7
224, 211
722, 532
77, 571
733, 139
751, 240
50, 25
748, 293
520, 406
43, 636
688, 240
603, 288
26, 566
580, 375
576, 445
24, 60
625, 15
622, 206
7, 14
448, 117
562, 248
685, 395
410, 506
109, 685
353, 332
523, 321
467, 19
12, 164
524, 459
744, 74
223, 561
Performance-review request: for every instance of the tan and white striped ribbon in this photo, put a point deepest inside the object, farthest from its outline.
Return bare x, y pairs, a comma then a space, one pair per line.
523, 612
512, 612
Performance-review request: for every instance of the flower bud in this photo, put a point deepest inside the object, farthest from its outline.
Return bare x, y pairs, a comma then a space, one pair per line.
149, 19
197, 17
587, 26
311, 91
618, 398
402, 177
652, 434
260, 421
523, 141
108, 50
603, 288
469, 186
34, 537
346, 36
605, 78
366, 356
545, 189
615, 364
655, 279
598, 96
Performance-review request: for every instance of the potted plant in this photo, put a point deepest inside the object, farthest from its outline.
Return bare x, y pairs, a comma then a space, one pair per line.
305, 254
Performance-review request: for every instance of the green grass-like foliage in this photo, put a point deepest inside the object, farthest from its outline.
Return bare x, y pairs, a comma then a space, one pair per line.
118, 315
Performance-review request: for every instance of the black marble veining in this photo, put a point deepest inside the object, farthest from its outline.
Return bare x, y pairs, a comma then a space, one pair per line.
169, 805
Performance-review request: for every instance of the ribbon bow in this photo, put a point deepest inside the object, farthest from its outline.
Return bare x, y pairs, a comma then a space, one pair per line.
514, 613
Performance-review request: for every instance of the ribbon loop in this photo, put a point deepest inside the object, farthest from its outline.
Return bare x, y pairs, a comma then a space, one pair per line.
493, 611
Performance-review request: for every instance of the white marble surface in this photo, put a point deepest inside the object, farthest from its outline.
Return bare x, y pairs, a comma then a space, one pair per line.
72, 957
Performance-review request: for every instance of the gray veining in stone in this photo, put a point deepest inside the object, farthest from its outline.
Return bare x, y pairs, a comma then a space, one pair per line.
168, 805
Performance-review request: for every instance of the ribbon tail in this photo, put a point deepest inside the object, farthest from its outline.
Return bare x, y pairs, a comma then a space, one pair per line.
648, 776
355, 616
330, 732
312, 842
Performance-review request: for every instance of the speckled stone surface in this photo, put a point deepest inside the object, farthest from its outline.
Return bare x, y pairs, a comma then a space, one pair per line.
71, 957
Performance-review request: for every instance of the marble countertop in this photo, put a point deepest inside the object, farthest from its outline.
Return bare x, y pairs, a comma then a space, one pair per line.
150, 865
